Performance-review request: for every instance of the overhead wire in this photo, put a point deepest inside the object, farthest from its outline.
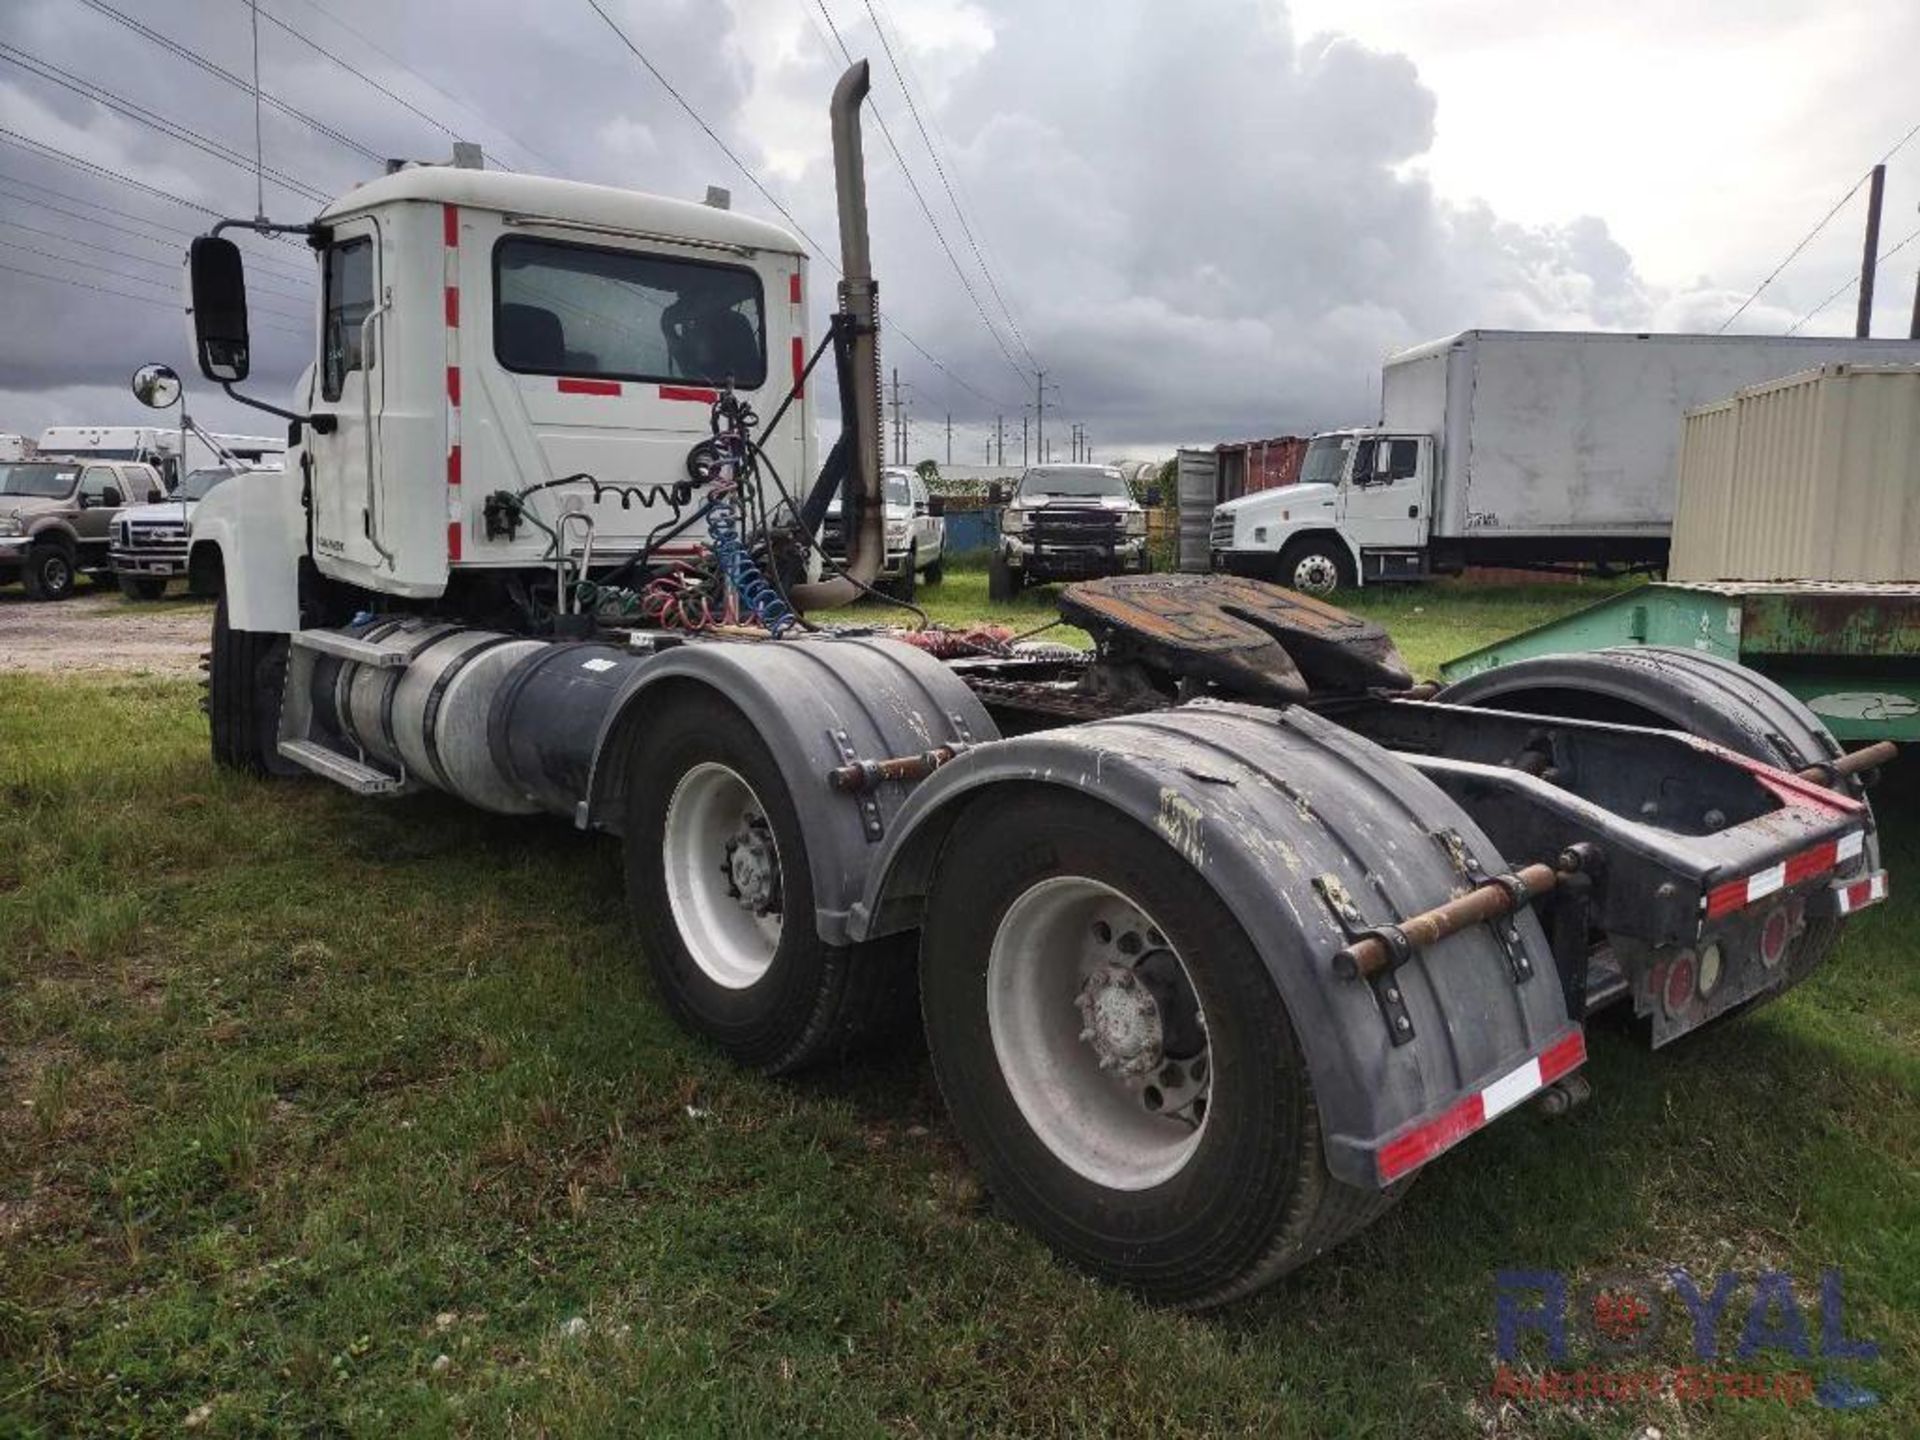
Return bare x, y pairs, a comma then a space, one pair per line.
196, 58
98, 268
818, 249
913, 185
127, 254
125, 295
940, 170
152, 119
1880, 260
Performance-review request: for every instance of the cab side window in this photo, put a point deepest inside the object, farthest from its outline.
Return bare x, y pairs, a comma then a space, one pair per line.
1363, 463
140, 484
1403, 459
99, 485
917, 488
349, 284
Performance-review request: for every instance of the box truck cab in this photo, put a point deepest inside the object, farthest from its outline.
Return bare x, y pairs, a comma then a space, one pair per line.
1359, 511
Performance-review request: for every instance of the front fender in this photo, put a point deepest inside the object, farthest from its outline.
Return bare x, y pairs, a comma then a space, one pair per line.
256, 525
1262, 805
816, 703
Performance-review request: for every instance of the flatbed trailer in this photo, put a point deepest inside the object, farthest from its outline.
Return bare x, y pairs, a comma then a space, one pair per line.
1849, 651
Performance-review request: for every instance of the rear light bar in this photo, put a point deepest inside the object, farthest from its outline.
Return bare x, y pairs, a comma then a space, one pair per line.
1860, 894
1827, 855
1414, 1147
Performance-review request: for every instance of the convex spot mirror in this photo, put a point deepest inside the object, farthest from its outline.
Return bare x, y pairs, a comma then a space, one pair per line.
156, 386
217, 282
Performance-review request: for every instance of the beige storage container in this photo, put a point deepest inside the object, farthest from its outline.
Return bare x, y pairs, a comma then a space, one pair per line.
1814, 477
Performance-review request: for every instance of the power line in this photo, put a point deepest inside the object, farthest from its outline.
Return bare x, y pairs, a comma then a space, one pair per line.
123, 294
97, 268
33, 65
814, 245
552, 166
1885, 255
925, 208
271, 267
172, 268
195, 57
941, 170
1792, 254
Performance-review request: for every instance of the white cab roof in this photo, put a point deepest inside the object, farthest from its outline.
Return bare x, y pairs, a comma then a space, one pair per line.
544, 198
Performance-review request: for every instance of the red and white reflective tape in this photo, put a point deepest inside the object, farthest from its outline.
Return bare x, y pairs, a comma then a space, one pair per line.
797, 316
450, 251
1420, 1142
1817, 860
569, 385
1860, 894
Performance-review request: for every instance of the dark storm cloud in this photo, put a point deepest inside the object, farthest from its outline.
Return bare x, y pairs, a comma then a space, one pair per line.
1203, 224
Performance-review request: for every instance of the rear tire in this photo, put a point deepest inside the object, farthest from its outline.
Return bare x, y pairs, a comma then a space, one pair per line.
761, 985
1190, 1217
1702, 695
246, 671
142, 587
49, 573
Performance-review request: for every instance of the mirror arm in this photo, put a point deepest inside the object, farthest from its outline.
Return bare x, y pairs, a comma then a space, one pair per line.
316, 234
322, 422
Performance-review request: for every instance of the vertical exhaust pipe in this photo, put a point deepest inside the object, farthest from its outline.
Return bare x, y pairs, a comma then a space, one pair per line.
861, 510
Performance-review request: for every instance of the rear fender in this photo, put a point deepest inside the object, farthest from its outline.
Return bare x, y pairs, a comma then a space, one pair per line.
817, 705
1261, 804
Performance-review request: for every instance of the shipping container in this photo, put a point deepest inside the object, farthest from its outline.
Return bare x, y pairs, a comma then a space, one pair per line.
1815, 477
1249, 466
1196, 492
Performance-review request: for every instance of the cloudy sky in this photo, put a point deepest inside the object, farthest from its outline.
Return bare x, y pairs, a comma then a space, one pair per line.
1205, 220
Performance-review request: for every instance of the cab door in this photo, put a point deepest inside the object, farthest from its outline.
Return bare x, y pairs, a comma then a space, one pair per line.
101, 497
1383, 504
349, 388
929, 530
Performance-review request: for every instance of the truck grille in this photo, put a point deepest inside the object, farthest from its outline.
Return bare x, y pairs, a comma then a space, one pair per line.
152, 537
1072, 527
1221, 537
833, 537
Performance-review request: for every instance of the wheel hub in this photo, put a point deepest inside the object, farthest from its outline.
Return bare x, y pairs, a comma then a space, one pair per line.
1122, 1020
1315, 575
752, 869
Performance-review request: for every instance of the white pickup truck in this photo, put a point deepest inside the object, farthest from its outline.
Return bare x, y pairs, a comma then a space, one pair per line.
916, 530
149, 542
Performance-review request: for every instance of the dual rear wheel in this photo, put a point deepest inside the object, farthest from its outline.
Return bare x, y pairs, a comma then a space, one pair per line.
1113, 1052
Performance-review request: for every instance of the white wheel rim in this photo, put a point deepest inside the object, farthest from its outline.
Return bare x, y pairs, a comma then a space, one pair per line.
728, 938
1048, 954
1317, 575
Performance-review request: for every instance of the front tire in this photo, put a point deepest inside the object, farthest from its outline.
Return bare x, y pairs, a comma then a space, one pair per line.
1003, 581
142, 587
720, 891
904, 587
49, 573
1192, 1189
937, 571
1316, 565
246, 671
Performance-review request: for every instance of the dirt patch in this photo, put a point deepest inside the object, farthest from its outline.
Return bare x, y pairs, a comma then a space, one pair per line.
101, 631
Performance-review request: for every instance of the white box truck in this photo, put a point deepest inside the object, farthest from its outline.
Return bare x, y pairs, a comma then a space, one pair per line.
1530, 449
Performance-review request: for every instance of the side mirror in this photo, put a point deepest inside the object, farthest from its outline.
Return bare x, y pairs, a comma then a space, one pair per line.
218, 281
156, 386
936, 506
112, 498
1155, 497
997, 493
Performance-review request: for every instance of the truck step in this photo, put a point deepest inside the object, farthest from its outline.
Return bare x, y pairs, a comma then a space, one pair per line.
341, 769
346, 647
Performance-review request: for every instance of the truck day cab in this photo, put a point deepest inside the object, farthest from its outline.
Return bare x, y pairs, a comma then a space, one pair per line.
1538, 450
1218, 933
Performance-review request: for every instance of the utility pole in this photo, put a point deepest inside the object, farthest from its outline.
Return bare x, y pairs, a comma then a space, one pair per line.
1040, 388
949, 437
1086, 446
1023, 428
899, 422
1913, 329
1000, 439
1863, 319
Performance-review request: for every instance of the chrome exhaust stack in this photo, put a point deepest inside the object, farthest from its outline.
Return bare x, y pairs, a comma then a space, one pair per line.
860, 371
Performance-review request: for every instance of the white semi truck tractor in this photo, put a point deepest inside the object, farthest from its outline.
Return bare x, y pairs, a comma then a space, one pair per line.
1218, 933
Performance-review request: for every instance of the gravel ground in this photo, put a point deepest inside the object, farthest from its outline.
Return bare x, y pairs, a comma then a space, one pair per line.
100, 630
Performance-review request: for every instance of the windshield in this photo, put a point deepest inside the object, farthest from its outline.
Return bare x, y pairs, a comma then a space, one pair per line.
1073, 481
49, 482
897, 491
1324, 461
198, 483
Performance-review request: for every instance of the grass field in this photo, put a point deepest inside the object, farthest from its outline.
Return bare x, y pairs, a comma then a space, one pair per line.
325, 1116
